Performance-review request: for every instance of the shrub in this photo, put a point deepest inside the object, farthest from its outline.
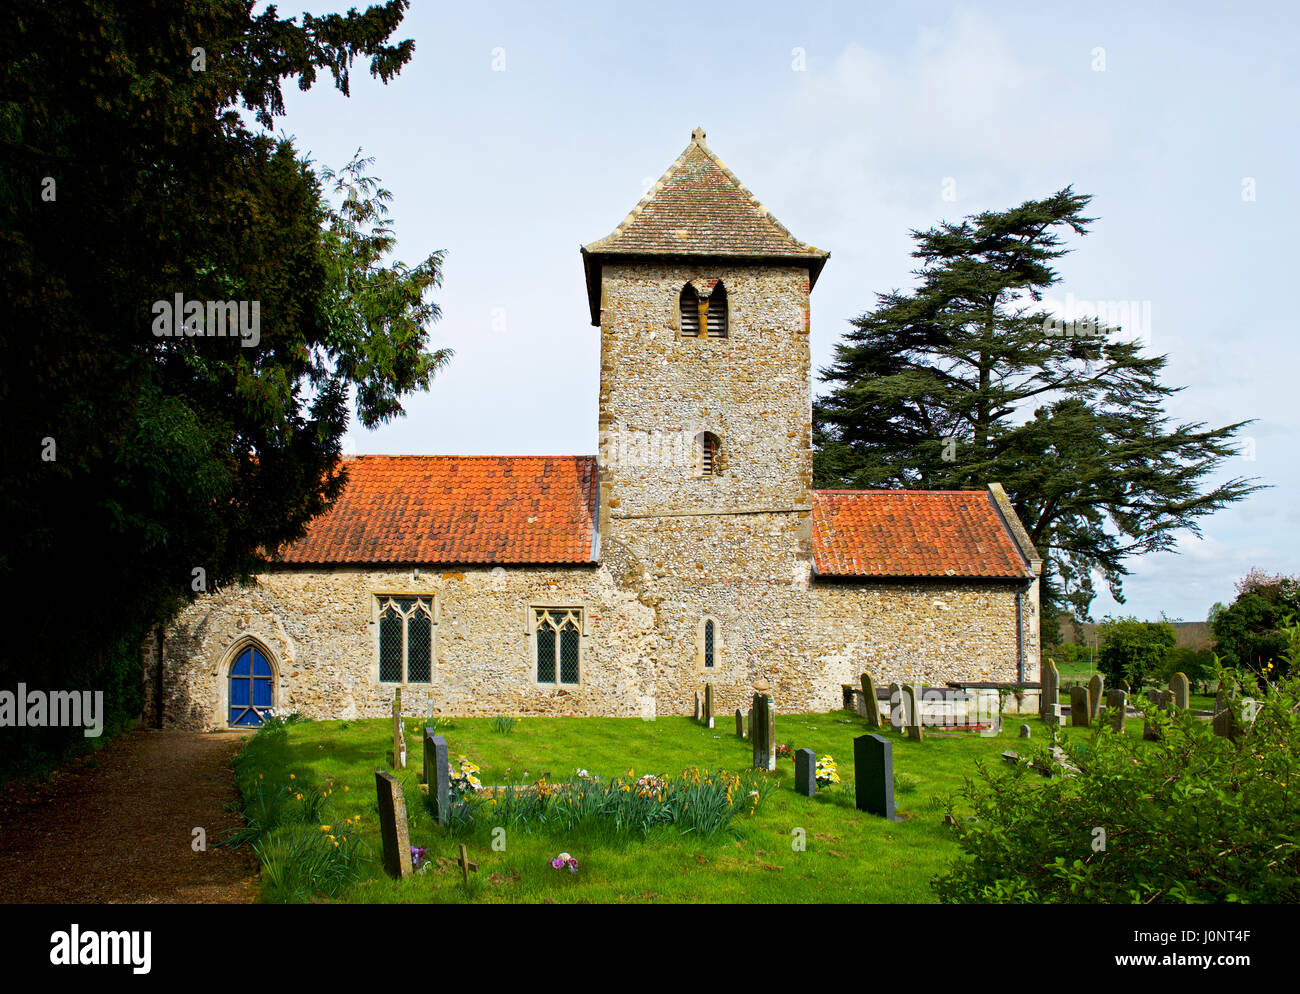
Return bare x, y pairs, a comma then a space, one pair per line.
1190, 818
1133, 650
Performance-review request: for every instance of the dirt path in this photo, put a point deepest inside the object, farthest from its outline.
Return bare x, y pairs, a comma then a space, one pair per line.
119, 829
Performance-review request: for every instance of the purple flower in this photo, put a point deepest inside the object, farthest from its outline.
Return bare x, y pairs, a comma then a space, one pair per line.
417, 857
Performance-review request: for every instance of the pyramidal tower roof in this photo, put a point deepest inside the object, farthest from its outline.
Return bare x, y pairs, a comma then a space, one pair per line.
698, 208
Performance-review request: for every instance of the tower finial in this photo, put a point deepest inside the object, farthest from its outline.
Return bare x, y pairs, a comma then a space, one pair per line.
698, 135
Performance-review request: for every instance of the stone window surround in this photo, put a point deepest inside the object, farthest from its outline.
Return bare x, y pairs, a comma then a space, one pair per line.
377, 596
718, 645
719, 455
703, 334
584, 632
228, 658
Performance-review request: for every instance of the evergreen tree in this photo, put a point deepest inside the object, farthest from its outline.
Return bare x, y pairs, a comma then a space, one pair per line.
139, 469
968, 379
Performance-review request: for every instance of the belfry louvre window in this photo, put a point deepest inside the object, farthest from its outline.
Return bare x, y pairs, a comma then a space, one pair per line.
558, 631
405, 639
717, 316
709, 450
690, 312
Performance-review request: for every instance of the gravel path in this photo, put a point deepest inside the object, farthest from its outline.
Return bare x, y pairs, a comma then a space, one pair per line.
119, 828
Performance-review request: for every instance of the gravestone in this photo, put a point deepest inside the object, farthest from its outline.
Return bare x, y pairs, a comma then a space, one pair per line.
740, 723
1052, 719
1079, 707
870, 702
1116, 709
1024, 731
873, 775
708, 704
1160, 699
805, 772
1181, 688
913, 713
1096, 687
769, 735
897, 716
392, 825
1224, 722
1051, 692
437, 774
757, 730
697, 705
749, 723
466, 867
399, 732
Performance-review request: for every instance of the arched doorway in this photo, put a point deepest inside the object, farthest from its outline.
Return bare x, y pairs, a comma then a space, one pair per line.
252, 687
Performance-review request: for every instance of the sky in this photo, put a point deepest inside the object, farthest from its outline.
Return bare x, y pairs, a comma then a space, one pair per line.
521, 131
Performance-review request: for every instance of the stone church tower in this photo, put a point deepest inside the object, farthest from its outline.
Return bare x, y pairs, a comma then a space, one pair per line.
691, 550
705, 467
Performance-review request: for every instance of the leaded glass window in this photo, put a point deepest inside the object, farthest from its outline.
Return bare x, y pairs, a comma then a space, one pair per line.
558, 640
406, 641
708, 645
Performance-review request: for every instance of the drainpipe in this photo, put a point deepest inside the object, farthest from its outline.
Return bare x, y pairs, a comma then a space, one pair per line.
1020, 636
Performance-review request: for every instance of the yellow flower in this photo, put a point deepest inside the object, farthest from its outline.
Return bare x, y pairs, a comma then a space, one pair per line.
324, 828
292, 777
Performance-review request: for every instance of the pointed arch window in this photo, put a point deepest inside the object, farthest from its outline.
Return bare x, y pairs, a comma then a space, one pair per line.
708, 454
710, 637
689, 306
558, 635
406, 639
716, 310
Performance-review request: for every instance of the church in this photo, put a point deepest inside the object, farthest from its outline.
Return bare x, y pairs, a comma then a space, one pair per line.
691, 548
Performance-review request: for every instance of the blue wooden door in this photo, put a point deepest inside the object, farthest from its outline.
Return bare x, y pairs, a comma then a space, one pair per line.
251, 688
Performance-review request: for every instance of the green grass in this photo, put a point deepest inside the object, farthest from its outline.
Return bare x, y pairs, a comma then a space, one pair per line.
850, 856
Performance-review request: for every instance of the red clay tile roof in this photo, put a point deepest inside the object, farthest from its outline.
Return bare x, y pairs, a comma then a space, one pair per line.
912, 533
699, 208
457, 510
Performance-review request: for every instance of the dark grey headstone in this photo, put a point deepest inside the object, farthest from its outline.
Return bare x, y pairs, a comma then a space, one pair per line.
437, 775
697, 705
1025, 731
757, 726
740, 723
805, 772
708, 704
873, 775
392, 825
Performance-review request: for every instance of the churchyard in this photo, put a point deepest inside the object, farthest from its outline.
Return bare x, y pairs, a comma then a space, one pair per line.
345, 785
